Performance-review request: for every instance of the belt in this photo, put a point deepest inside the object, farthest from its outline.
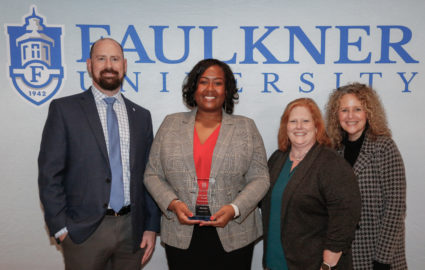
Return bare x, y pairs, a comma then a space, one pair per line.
124, 211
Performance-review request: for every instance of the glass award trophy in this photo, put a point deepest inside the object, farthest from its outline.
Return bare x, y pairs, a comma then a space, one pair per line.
202, 210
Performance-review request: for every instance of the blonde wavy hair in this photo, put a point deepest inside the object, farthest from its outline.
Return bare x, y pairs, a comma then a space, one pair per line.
371, 103
321, 136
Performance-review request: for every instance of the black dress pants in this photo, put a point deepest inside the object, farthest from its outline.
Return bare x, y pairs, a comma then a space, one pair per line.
206, 252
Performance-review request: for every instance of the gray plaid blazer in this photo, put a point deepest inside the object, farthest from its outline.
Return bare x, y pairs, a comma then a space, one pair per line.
239, 175
382, 182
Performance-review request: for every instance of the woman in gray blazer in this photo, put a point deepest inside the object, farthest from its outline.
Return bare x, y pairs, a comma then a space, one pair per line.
313, 206
207, 171
357, 126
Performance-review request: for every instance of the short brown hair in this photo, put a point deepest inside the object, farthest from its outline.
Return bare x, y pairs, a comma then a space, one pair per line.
101, 39
321, 136
192, 79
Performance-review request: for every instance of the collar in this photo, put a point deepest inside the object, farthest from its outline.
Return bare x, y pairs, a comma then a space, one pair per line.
99, 96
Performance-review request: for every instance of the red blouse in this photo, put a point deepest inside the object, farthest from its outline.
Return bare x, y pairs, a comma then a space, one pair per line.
202, 155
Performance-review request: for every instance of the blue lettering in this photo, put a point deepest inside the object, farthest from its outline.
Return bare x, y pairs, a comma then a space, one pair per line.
319, 57
250, 45
337, 79
208, 40
240, 76
82, 75
138, 46
135, 86
406, 82
164, 82
309, 83
343, 45
397, 46
159, 43
34, 72
371, 76
85, 39
272, 83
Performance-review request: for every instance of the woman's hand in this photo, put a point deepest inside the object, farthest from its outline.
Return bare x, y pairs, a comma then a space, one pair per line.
182, 212
331, 257
221, 218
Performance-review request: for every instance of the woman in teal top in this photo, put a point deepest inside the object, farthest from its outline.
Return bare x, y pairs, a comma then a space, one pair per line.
312, 209
275, 257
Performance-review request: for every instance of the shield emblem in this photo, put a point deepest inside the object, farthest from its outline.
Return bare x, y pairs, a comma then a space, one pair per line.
35, 69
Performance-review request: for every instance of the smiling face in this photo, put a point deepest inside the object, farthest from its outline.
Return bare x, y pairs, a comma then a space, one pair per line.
301, 128
107, 66
352, 116
211, 90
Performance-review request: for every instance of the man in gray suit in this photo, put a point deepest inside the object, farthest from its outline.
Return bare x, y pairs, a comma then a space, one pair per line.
92, 159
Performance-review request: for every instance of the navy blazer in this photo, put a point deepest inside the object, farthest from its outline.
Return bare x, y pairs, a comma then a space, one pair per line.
74, 172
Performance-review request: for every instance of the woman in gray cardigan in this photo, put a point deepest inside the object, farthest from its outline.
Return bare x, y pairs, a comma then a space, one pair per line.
358, 128
312, 209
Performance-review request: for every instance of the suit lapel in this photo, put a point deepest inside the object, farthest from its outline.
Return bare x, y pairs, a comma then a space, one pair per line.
89, 106
277, 168
222, 145
131, 114
302, 169
186, 136
365, 155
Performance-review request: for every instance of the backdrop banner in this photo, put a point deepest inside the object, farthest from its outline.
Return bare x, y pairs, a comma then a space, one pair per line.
279, 50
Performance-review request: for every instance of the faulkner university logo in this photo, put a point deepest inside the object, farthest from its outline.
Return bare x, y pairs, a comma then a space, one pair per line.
35, 69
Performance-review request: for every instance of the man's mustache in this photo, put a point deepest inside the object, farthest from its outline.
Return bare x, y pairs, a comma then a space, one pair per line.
109, 71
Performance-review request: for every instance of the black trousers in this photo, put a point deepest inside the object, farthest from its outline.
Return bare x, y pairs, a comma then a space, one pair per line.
206, 252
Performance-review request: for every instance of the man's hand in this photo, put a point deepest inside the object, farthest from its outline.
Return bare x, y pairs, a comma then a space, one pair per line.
62, 237
148, 243
221, 218
182, 212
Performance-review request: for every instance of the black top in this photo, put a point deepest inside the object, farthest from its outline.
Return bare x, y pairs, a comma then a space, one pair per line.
352, 148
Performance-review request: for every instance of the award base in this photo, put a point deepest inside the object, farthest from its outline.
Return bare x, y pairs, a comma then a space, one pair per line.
202, 213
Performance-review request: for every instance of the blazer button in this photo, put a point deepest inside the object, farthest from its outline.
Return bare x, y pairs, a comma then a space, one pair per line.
108, 180
105, 205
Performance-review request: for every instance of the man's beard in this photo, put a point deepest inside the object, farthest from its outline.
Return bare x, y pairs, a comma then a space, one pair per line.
109, 84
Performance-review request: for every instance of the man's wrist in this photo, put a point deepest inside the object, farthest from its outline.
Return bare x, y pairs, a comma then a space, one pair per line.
59, 233
62, 231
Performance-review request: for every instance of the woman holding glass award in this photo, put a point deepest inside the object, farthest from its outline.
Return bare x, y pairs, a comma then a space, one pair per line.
207, 171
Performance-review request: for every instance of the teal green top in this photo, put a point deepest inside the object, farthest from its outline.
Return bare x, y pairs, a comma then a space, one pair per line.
275, 258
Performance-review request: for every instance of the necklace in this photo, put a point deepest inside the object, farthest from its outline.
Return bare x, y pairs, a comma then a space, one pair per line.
299, 158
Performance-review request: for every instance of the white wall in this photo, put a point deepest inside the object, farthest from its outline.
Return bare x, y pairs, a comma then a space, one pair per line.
24, 241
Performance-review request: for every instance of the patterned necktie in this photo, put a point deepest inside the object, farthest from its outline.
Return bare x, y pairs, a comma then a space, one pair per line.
116, 200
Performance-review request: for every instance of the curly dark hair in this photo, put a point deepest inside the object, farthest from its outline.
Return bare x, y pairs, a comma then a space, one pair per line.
375, 112
190, 84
